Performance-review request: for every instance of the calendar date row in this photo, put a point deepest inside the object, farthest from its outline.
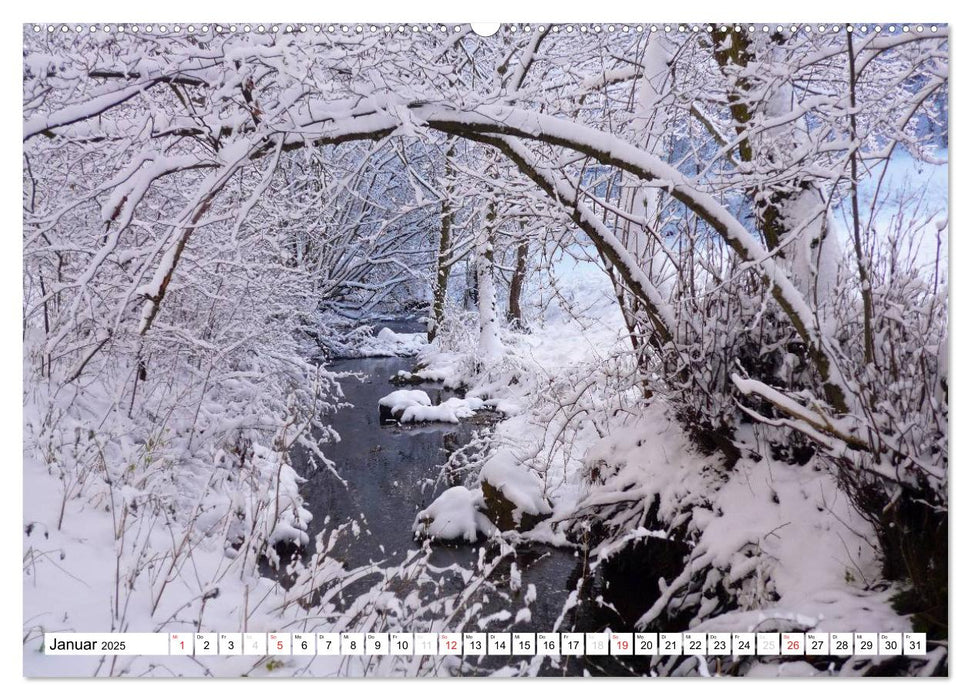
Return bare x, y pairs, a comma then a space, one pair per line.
489, 644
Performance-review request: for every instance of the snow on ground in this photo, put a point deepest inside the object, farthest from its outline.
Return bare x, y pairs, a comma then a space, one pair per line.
645, 457
436, 365
132, 528
170, 571
504, 406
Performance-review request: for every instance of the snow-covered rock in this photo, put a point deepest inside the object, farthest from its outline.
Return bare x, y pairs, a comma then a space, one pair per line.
388, 343
402, 398
514, 496
397, 402
449, 411
414, 406
454, 515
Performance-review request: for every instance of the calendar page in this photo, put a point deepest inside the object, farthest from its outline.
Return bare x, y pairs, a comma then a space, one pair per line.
398, 350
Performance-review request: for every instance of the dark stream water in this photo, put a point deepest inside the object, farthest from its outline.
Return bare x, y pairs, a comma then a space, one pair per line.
392, 472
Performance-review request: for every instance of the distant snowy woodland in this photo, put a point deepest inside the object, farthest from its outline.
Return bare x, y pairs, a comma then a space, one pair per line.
680, 297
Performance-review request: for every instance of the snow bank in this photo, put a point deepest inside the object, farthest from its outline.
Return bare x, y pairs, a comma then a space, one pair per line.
454, 515
451, 369
647, 458
505, 407
560, 362
784, 541
789, 538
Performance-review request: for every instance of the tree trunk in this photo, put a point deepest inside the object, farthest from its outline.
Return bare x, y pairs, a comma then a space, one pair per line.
444, 267
515, 312
490, 346
735, 49
861, 262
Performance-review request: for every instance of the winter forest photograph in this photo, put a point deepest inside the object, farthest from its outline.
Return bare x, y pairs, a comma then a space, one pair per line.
512, 338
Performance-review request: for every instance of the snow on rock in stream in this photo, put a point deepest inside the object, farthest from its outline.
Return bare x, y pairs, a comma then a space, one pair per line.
449, 411
387, 343
414, 406
398, 401
517, 484
454, 515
